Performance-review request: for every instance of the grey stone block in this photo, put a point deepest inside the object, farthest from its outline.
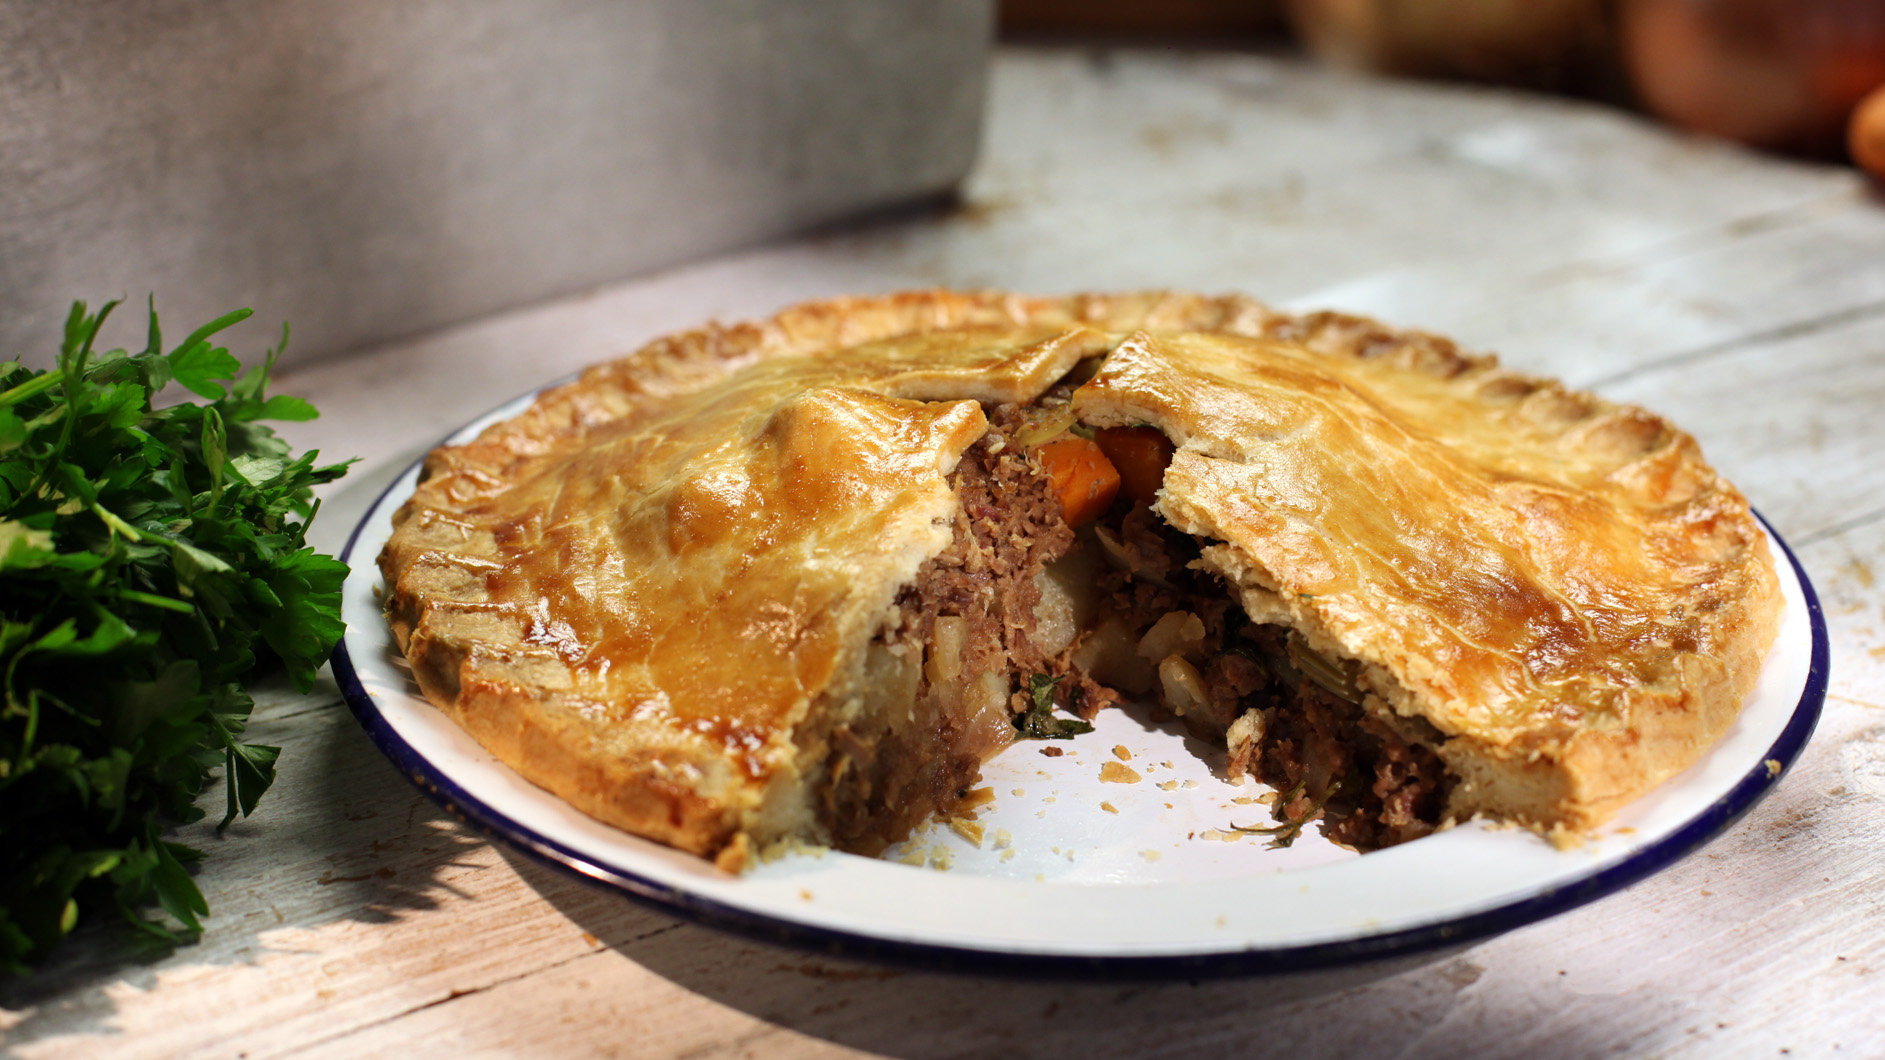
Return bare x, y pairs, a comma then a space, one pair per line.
374, 168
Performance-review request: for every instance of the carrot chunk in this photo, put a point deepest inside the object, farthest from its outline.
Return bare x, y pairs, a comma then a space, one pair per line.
1082, 476
1141, 454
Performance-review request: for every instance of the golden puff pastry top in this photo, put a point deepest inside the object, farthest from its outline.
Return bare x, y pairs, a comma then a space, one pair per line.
635, 591
664, 564
1516, 556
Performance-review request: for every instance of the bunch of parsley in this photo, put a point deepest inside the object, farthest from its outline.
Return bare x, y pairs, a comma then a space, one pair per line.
151, 558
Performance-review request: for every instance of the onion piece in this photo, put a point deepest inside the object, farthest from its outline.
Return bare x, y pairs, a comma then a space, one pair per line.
1048, 426
1107, 655
1175, 633
1183, 686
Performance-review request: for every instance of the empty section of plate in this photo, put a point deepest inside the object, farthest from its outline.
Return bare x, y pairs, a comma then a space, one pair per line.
1137, 801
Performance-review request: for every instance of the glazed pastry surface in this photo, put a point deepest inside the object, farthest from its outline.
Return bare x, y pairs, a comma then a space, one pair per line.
1557, 584
645, 590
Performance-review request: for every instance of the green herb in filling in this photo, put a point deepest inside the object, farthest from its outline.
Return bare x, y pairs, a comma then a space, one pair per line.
1040, 722
1282, 835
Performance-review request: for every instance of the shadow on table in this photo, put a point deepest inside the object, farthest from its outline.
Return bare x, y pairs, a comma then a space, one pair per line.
340, 817
1403, 1007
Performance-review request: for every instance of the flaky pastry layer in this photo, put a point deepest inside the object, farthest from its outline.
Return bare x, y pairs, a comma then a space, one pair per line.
649, 590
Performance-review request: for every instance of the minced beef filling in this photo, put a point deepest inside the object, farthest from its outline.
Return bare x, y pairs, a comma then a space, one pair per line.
1371, 787
1332, 761
1009, 527
886, 778
1367, 785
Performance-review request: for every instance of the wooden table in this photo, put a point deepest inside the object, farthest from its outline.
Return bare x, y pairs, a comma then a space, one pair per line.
1742, 296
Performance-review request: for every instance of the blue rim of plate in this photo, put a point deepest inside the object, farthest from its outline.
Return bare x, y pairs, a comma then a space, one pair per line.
1268, 961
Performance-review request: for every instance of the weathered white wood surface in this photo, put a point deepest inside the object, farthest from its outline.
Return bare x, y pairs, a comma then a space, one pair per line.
1743, 296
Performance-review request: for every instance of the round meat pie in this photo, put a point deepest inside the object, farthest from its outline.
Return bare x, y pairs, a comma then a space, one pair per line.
795, 580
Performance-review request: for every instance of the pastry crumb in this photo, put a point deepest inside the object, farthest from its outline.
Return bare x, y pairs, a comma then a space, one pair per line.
1191, 784
1018, 792
977, 797
1109, 807
1002, 839
1052, 752
1563, 838
1007, 854
1150, 855
792, 846
804, 895
1168, 785
967, 829
942, 857
914, 856
1120, 752
1114, 773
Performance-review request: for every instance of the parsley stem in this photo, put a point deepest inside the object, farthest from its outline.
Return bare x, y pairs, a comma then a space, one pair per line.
35, 385
117, 525
152, 599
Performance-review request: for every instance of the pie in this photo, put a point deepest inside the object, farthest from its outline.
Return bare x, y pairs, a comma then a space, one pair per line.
794, 580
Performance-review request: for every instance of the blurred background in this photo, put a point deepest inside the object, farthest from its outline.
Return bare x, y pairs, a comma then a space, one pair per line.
1781, 75
372, 172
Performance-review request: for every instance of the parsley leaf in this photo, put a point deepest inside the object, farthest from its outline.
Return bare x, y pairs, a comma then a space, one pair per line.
151, 560
1040, 722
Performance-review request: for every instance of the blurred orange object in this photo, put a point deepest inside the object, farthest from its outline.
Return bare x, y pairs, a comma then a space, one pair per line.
1539, 43
1778, 74
1865, 136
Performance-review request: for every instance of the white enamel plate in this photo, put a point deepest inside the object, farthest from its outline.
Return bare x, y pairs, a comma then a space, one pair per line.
1074, 875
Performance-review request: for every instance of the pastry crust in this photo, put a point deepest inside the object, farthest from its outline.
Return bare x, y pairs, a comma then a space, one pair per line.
654, 592
1555, 583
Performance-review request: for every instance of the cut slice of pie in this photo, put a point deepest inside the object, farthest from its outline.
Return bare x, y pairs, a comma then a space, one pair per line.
795, 580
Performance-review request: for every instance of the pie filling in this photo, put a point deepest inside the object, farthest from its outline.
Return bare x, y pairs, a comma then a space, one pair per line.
1290, 717
1063, 593
965, 632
